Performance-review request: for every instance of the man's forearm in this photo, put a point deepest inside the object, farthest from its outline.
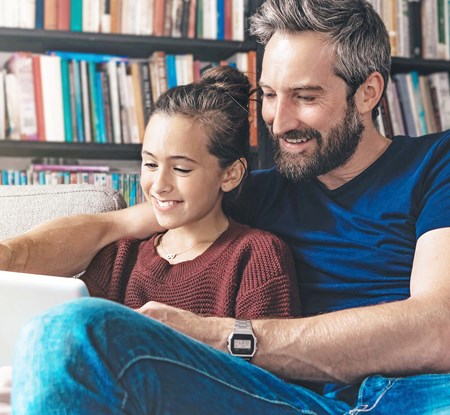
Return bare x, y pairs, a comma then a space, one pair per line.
66, 245
410, 336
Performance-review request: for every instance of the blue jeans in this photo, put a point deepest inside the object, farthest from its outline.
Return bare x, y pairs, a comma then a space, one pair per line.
93, 356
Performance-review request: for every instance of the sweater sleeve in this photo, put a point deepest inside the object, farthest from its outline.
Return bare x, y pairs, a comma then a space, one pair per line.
269, 286
108, 273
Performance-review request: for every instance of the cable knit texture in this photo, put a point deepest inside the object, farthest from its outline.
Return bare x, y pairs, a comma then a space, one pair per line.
246, 273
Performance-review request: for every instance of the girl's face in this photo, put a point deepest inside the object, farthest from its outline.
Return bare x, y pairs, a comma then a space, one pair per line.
179, 176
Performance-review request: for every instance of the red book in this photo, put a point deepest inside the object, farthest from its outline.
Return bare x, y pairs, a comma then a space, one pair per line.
37, 81
192, 19
228, 34
158, 17
63, 15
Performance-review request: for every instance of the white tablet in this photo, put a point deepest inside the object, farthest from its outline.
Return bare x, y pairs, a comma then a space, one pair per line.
23, 296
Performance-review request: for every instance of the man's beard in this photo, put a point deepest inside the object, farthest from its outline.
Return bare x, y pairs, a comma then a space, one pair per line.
330, 153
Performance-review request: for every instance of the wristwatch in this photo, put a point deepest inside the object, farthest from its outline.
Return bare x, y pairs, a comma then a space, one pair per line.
242, 341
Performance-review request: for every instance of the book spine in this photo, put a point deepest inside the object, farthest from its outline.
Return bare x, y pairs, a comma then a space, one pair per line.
67, 110
37, 83
39, 14
76, 15
86, 102
63, 15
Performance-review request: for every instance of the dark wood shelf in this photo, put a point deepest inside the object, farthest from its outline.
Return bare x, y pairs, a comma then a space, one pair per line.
423, 66
133, 46
40, 149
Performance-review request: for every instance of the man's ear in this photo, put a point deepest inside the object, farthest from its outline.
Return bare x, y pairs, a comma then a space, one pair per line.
234, 174
369, 93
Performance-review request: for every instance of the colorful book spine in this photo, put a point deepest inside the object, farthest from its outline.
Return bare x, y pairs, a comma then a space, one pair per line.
67, 108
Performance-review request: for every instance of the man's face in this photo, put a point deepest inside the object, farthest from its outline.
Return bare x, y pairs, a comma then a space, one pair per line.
314, 127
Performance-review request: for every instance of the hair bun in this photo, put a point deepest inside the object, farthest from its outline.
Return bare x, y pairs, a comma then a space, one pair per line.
231, 80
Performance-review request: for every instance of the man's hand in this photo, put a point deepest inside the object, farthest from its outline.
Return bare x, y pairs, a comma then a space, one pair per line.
5, 257
209, 330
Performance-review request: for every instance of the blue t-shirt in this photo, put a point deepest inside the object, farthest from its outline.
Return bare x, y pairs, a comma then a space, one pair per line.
354, 246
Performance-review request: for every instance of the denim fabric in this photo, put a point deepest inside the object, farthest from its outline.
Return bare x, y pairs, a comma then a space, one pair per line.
93, 356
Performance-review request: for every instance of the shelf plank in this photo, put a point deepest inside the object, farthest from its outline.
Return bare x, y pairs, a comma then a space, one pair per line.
87, 151
423, 66
133, 46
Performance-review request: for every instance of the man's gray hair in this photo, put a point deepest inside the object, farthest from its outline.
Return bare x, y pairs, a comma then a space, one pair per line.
353, 28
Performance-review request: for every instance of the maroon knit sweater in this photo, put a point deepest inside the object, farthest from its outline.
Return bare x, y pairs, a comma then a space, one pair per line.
246, 273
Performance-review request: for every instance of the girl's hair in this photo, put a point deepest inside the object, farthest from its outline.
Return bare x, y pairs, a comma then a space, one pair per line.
354, 30
220, 103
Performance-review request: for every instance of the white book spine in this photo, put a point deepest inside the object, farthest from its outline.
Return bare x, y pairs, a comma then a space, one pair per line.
146, 17
210, 19
134, 129
27, 14
12, 106
123, 95
85, 102
115, 105
52, 97
237, 25
2, 106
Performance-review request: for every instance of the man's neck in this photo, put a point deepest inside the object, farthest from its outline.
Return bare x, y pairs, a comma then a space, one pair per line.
370, 149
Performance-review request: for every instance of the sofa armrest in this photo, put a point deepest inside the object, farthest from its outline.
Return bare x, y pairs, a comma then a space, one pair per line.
23, 207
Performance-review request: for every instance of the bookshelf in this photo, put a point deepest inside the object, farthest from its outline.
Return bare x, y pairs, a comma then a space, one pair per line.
132, 46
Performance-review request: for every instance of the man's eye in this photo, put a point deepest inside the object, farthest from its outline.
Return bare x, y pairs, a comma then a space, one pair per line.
306, 98
151, 165
268, 95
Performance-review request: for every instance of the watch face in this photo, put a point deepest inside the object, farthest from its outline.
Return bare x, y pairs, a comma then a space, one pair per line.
242, 344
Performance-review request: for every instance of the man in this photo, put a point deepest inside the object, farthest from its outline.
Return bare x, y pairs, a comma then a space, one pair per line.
368, 221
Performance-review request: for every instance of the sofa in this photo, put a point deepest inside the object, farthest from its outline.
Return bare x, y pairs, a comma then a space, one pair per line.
23, 207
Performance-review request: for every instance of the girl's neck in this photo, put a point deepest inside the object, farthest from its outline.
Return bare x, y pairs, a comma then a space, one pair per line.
187, 242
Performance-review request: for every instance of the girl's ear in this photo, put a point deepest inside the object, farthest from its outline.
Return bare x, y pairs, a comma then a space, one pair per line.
234, 174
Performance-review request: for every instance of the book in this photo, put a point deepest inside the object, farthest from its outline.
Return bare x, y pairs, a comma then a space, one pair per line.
185, 18
237, 24
111, 68
12, 107
86, 102
21, 65
76, 15
158, 17
88, 57
50, 14
168, 17
116, 16
91, 16
38, 96
176, 18
395, 113
52, 97
146, 90
401, 81
427, 104
27, 14
73, 101
138, 99
78, 105
135, 138
421, 124
2, 106
63, 15
123, 95
192, 19
67, 107
171, 71
439, 82
39, 19
415, 29
107, 107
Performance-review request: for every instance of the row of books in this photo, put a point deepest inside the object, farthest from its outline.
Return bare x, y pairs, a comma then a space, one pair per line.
416, 104
417, 28
127, 183
92, 98
202, 19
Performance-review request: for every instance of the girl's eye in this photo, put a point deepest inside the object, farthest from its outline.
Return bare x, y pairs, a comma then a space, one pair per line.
183, 171
268, 95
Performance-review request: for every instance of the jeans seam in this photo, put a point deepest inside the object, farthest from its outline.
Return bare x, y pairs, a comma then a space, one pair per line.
366, 408
176, 363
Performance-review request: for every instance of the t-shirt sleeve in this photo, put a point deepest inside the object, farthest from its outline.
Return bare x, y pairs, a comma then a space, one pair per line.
434, 208
269, 286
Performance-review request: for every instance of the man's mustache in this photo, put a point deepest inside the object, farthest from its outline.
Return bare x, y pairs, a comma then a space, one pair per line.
306, 133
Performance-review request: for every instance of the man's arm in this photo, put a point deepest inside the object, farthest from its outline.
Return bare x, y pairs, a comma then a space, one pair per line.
410, 336
66, 245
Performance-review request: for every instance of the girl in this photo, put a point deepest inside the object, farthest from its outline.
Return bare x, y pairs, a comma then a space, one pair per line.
194, 156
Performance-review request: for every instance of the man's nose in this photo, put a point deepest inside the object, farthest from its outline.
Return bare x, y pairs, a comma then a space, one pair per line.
284, 118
